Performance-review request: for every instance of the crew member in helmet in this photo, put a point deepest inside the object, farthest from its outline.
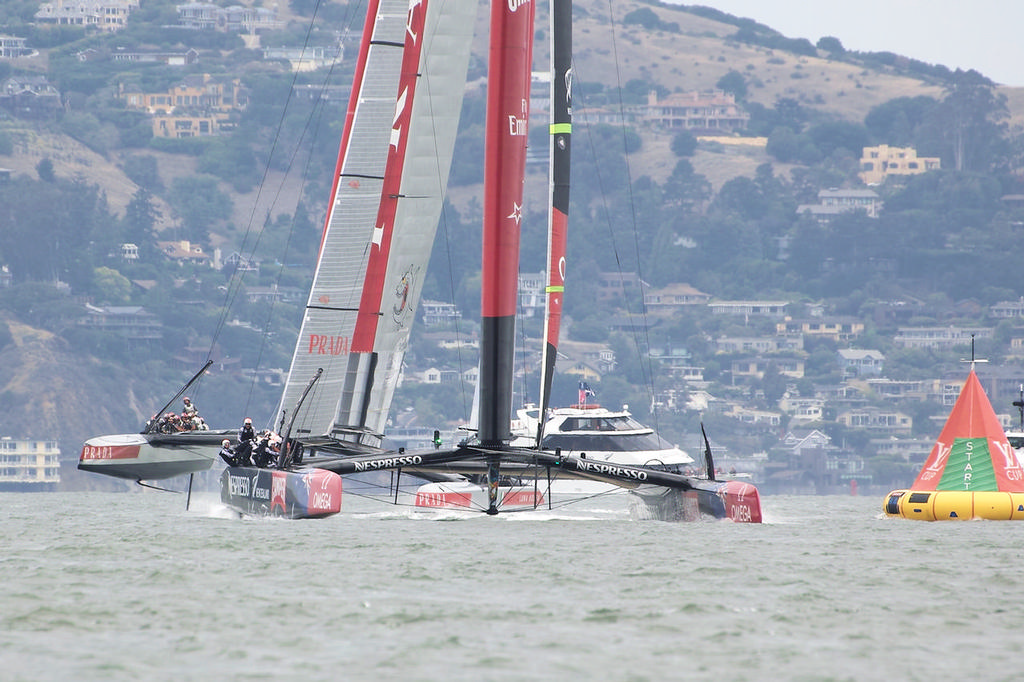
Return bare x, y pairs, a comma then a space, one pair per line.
246, 442
189, 410
227, 454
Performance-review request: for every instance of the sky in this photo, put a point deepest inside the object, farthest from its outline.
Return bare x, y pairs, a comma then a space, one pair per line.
985, 35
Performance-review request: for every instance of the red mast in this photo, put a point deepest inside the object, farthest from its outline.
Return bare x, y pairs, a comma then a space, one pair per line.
508, 110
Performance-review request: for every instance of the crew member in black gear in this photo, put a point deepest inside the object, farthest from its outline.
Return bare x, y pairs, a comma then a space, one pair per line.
246, 441
227, 454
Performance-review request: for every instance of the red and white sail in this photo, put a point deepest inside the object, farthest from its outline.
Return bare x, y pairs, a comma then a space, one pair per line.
386, 199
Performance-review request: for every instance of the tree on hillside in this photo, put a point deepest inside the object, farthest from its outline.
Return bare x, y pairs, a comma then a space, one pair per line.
972, 116
139, 224
832, 45
899, 122
733, 82
45, 170
48, 229
684, 143
200, 204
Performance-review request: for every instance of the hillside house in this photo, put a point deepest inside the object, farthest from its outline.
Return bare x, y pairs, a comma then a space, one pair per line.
233, 19
832, 202
134, 323
183, 252
236, 262
438, 313
30, 97
674, 297
444, 375
184, 57
913, 450
877, 420
808, 462
12, 47
597, 355
615, 286
310, 58
860, 362
104, 15
749, 308
835, 328
532, 296
198, 105
707, 112
802, 410
939, 337
749, 415
759, 344
1007, 309
877, 163
754, 368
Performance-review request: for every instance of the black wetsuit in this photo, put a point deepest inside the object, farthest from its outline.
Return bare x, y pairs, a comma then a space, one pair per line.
228, 456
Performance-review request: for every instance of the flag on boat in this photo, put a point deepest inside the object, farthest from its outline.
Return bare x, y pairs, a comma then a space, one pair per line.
972, 453
585, 391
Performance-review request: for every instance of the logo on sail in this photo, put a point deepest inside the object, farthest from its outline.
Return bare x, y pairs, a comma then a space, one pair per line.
517, 123
322, 344
400, 309
513, 5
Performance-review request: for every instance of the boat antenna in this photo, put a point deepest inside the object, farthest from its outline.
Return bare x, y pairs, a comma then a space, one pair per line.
151, 424
973, 359
286, 449
709, 462
1019, 404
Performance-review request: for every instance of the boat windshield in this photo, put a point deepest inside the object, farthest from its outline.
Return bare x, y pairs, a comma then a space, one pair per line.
1017, 442
620, 423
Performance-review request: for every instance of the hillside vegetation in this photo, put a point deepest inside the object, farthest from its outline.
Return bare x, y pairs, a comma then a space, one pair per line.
720, 217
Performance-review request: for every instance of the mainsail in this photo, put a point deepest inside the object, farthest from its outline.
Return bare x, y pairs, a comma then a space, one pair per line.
385, 203
972, 453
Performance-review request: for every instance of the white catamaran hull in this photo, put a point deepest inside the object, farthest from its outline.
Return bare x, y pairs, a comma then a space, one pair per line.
151, 456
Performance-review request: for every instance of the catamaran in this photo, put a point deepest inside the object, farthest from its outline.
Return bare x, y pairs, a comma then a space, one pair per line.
385, 202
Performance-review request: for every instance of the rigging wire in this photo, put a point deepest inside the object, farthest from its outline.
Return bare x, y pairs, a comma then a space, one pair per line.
443, 224
237, 277
581, 113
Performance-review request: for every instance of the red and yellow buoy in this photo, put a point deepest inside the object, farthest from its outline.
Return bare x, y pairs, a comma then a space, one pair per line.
972, 472
954, 505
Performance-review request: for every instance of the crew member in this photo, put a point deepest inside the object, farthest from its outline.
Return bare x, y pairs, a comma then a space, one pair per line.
246, 438
190, 410
261, 457
227, 454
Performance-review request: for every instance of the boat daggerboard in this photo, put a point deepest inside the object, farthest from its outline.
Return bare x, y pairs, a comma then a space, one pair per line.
385, 202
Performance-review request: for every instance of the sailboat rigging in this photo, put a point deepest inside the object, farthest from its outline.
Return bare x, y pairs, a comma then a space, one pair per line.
385, 201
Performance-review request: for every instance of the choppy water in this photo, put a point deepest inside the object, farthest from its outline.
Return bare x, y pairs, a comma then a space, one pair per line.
105, 586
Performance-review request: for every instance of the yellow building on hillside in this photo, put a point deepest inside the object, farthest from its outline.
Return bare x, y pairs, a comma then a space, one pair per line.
879, 162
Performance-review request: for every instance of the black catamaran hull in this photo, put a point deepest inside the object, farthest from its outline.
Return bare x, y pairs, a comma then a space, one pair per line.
307, 494
151, 456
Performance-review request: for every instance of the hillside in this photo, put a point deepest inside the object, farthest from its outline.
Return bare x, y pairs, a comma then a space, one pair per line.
725, 245
694, 58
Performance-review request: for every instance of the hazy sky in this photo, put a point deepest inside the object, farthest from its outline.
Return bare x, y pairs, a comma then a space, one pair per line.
986, 35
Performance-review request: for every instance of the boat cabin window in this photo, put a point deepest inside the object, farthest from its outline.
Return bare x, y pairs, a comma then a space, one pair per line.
601, 424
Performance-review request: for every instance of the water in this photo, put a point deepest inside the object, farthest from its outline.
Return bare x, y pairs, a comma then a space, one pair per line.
106, 586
